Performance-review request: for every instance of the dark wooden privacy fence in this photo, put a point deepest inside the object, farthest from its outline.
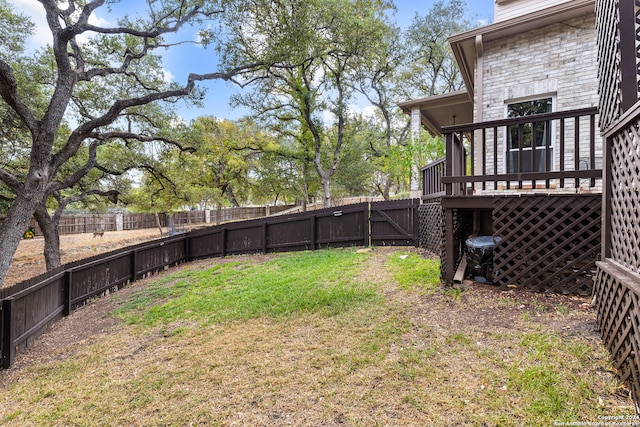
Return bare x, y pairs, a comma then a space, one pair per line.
76, 224
395, 223
30, 307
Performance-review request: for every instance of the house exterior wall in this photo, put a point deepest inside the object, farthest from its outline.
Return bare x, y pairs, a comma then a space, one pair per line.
558, 61
507, 9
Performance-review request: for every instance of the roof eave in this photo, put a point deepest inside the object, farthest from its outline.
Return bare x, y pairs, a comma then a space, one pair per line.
464, 45
434, 110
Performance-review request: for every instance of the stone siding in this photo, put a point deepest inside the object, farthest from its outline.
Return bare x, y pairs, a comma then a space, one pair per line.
558, 61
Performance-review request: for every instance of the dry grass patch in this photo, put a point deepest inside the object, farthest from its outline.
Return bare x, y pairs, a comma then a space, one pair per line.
380, 354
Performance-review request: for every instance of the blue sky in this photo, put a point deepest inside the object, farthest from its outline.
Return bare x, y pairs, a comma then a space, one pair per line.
193, 59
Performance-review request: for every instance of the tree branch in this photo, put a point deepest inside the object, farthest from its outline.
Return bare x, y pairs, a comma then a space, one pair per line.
85, 130
73, 179
141, 138
10, 180
9, 92
154, 32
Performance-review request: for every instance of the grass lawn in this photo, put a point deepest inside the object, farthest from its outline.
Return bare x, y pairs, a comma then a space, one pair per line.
330, 337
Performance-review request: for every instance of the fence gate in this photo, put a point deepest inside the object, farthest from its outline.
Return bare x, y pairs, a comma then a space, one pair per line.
395, 223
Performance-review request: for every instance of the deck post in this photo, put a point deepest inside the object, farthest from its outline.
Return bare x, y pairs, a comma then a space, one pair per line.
448, 169
449, 247
605, 250
628, 68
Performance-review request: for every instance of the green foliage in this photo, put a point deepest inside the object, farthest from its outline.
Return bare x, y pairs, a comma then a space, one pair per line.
93, 86
225, 154
432, 68
216, 169
312, 51
356, 176
408, 65
14, 30
280, 176
288, 285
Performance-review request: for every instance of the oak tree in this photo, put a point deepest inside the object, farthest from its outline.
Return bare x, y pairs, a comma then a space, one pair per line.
317, 45
87, 61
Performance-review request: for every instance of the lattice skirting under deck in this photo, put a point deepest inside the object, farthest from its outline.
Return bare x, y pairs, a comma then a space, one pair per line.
430, 216
462, 226
616, 296
549, 243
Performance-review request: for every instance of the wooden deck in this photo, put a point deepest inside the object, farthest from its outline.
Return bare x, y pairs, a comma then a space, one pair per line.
547, 212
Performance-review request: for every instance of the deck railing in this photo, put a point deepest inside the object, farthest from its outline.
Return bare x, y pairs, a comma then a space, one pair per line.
431, 178
559, 151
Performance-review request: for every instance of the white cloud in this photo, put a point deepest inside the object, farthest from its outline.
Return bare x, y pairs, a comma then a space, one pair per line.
354, 109
328, 118
177, 121
99, 22
167, 75
34, 10
42, 35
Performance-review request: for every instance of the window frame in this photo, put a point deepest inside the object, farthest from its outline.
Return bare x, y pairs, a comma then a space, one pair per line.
540, 147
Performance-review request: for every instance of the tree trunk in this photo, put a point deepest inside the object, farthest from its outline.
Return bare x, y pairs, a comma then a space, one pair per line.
326, 194
14, 226
158, 223
49, 227
387, 189
232, 197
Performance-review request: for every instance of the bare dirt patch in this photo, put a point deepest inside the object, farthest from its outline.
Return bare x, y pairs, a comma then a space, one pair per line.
28, 260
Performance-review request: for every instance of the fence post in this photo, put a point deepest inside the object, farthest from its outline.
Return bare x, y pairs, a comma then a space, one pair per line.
67, 292
607, 164
366, 225
264, 237
187, 248
224, 242
134, 256
8, 351
313, 232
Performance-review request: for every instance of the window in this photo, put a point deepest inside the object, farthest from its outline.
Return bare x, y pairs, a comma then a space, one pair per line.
528, 135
